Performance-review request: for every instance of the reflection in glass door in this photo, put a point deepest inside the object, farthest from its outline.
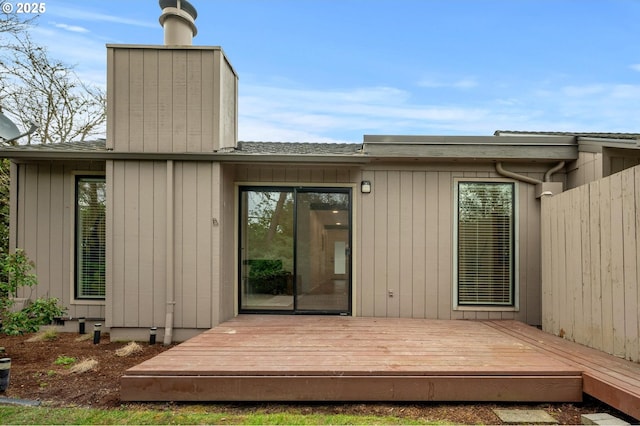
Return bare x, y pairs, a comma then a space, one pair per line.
266, 250
295, 250
322, 251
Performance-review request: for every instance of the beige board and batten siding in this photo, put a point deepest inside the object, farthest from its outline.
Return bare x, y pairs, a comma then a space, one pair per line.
137, 258
170, 99
591, 166
587, 168
403, 235
591, 255
406, 250
43, 216
291, 175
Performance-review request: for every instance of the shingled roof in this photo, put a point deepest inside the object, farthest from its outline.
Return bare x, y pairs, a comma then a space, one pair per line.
85, 146
298, 148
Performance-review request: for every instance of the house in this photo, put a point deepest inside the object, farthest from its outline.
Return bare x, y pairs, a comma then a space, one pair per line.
172, 223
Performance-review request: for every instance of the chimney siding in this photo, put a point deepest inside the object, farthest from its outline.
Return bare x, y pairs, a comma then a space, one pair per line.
169, 99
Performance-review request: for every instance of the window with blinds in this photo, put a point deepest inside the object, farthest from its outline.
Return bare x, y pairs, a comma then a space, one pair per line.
90, 237
485, 249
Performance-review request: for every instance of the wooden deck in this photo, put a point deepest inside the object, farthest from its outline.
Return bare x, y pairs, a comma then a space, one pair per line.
296, 358
325, 358
610, 379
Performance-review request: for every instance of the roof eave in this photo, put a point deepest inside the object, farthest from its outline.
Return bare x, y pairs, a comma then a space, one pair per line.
186, 156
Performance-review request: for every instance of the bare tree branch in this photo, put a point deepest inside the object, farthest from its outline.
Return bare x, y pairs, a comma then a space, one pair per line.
39, 89
10, 23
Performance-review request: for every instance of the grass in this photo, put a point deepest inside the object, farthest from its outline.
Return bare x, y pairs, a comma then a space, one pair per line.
184, 415
47, 334
84, 366
129, 349
64, 360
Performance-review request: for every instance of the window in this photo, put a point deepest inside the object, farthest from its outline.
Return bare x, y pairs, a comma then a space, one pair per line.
90, 237
485, 243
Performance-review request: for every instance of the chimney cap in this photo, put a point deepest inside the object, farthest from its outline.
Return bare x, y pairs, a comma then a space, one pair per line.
184, 5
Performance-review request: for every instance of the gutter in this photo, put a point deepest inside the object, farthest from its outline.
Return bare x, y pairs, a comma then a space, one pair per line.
27, 155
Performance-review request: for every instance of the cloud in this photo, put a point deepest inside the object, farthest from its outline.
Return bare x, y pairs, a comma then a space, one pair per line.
583, 91
463, 83
73, 12
635, 67
288, 114
281, 111
72, 28
72, 47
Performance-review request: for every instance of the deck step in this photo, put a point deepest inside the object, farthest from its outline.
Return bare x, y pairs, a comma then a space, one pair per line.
610, 379
353, 388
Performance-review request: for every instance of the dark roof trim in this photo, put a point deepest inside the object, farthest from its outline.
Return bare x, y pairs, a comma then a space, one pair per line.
511, 148
591, 144
468, 140
187, 156
374, 148
594, 135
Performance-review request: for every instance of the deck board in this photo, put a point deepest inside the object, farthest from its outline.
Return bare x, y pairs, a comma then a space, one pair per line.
310, 358
610, 379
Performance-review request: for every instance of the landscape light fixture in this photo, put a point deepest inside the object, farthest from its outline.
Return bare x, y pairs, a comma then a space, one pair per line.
152, 335
96, 333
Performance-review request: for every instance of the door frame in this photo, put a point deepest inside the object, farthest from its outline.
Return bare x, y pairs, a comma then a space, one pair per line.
350, 189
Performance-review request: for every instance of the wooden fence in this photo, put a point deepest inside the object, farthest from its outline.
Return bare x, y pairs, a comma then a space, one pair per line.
590, 264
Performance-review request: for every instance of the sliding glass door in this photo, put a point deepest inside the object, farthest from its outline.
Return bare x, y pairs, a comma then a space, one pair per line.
295, 250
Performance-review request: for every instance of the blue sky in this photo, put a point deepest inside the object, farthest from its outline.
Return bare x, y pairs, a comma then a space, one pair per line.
334, 70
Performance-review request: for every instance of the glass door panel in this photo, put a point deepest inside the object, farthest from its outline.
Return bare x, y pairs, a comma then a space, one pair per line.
267, 250
322, 251
295, 250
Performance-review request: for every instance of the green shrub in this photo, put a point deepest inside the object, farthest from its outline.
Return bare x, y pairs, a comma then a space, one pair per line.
267, 276
64, 360
16, 273
16, 270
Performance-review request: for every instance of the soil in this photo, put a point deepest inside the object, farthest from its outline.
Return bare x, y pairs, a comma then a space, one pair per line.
36, 376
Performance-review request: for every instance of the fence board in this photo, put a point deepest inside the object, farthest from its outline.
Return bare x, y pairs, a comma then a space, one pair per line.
617, 266
630, 288
585, 239
594, 262
590, 254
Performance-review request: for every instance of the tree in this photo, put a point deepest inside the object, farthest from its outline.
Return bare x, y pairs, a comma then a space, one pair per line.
47, 92
36, 88
11, 24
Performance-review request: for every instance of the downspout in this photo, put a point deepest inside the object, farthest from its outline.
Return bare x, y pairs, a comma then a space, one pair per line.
551, 171
547, 176
502, 172
170, 283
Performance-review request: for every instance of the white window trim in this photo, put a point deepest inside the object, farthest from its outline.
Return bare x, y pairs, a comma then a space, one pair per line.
72, 238
516, 243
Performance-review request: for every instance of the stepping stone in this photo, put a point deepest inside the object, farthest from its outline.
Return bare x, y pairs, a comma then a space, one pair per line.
525, 417
601, 419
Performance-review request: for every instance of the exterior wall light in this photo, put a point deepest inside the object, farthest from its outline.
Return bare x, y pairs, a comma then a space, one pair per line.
365, 186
